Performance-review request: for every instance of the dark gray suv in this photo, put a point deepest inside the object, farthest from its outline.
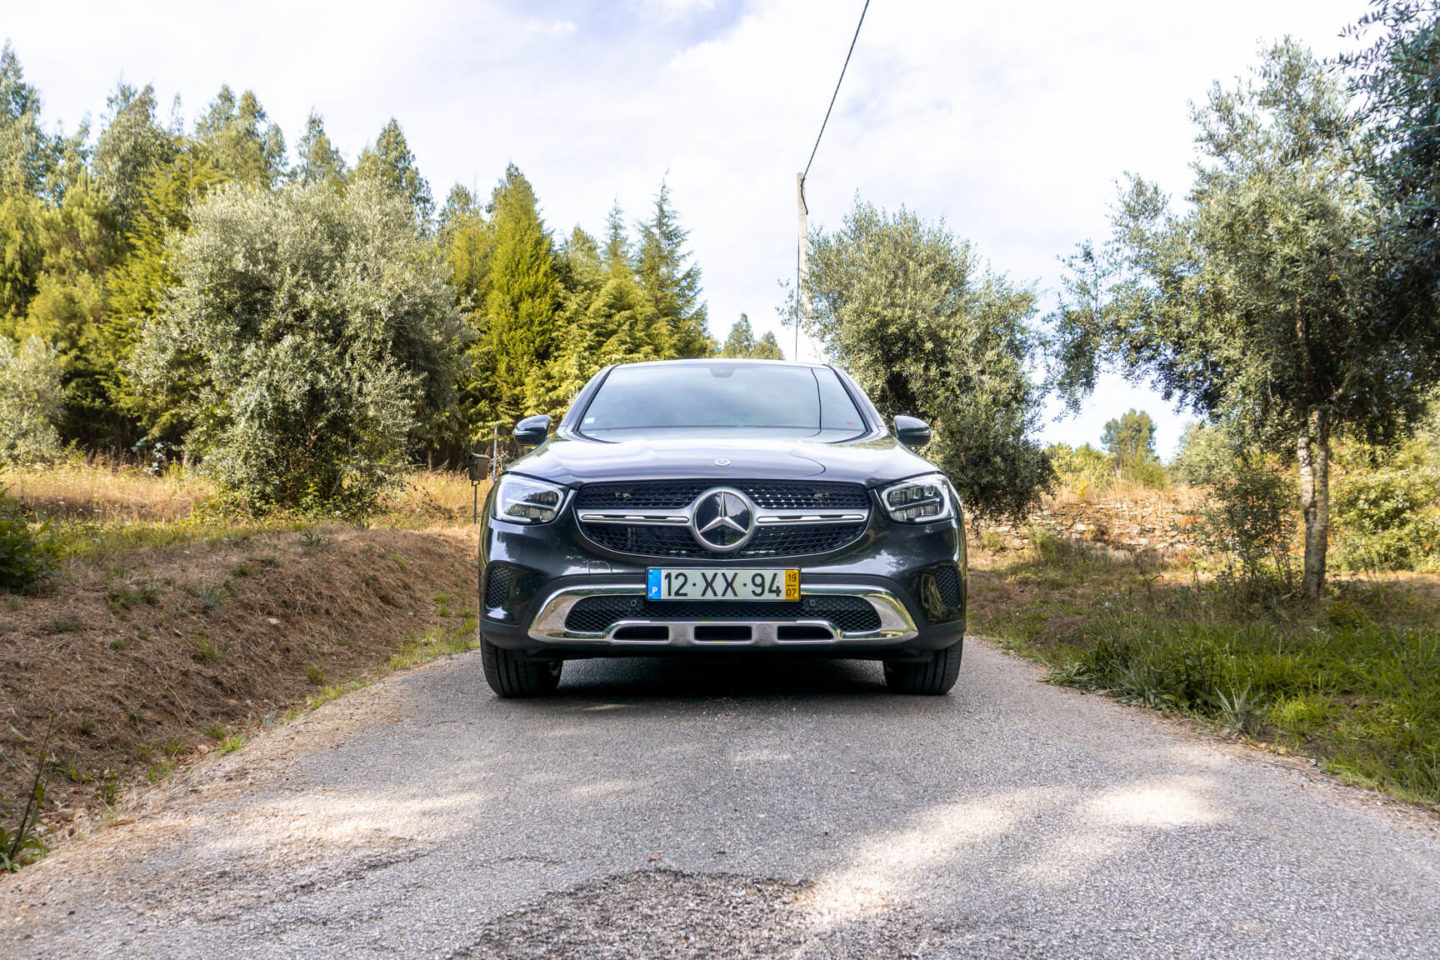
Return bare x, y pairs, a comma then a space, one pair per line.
736, 506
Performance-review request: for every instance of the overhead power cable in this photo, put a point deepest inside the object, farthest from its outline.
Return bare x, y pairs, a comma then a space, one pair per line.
836, 93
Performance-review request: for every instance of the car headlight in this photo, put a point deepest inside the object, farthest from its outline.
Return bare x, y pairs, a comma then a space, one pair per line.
522, 500
919, 500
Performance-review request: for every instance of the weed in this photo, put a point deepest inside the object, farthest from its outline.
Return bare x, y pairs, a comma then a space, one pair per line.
159, 770
88, 726
215, 731
310, 539
108, 791
231, 744
19, 845
1241, 713
241, 572
117, 644
123, 597
174, 748
315, 675
206, 650
399, 560
992, 541
65, 625
443, 601
75, 771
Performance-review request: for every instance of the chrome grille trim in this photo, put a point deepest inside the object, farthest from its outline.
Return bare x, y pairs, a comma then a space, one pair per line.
896, 624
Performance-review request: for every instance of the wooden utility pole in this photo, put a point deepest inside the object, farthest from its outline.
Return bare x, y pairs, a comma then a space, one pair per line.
802, 250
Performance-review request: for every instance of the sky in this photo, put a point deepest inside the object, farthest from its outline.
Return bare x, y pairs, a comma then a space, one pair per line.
1011, 122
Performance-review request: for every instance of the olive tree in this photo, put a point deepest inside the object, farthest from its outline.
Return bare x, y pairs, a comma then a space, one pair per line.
310, 337
31, 400
1253, 304
920, 322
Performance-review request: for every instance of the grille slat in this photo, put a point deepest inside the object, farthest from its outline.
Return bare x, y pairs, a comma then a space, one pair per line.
596, 614
790, 540
769, 494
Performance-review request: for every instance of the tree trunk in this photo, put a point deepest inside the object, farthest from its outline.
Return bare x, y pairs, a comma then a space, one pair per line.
1313, 450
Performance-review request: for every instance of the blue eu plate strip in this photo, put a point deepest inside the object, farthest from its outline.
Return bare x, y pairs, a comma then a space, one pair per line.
652, 585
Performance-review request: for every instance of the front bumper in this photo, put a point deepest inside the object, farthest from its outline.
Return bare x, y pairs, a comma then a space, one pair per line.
911, 575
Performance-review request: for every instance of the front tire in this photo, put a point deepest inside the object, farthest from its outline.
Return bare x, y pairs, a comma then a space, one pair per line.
931, 677
511, 674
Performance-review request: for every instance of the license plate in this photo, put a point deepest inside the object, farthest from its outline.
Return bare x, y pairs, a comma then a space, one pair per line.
698, 583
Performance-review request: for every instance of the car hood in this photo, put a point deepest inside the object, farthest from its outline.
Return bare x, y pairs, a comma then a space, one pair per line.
576, 460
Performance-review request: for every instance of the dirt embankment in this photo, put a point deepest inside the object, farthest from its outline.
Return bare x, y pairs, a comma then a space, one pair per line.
154, 655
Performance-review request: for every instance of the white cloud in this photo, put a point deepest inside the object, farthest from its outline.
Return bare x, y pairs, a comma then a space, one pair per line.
1011, 121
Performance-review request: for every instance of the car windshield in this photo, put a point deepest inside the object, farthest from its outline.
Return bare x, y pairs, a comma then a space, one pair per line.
796, 400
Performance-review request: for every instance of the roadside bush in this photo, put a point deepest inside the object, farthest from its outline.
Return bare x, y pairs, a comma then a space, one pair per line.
1387, 503
31, 401
1248, 525
1389, 520
25, 558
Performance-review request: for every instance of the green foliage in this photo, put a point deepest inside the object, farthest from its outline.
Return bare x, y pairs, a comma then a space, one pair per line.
1249, 523
1130, 440
927, 330
1254, 305
31, 401
742, 343
1083, 468
309, 337
1388, 507
26, 557
319, 162
670, 283
1395, 78
1206, 455
237, 138
391, 165
131, 147
517, 326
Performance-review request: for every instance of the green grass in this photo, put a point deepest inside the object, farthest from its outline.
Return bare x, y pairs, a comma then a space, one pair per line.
1353, 682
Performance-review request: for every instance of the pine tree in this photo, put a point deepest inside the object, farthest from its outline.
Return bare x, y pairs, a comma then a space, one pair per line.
670, 283
519, 321
239, 141
319, 162
391, 164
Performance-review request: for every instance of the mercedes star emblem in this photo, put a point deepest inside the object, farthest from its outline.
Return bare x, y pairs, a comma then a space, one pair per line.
721, 462
722, 520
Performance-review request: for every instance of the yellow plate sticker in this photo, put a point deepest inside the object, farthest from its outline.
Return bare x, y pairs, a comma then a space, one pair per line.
792, 584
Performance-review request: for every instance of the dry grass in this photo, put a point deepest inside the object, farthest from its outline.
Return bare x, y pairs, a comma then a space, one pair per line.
105, 491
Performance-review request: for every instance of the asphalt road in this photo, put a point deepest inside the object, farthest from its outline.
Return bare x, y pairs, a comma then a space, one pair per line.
665, 808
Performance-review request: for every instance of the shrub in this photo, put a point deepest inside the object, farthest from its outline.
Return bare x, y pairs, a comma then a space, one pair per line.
1249, 524
1389, 518
25, 557
31, 401
310, 335
1206, 455
1083, 469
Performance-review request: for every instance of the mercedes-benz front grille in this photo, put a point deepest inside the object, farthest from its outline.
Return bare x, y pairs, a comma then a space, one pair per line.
792, 517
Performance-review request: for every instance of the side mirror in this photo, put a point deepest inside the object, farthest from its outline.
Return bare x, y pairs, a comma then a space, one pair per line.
912, 432
532, 431
479, 466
